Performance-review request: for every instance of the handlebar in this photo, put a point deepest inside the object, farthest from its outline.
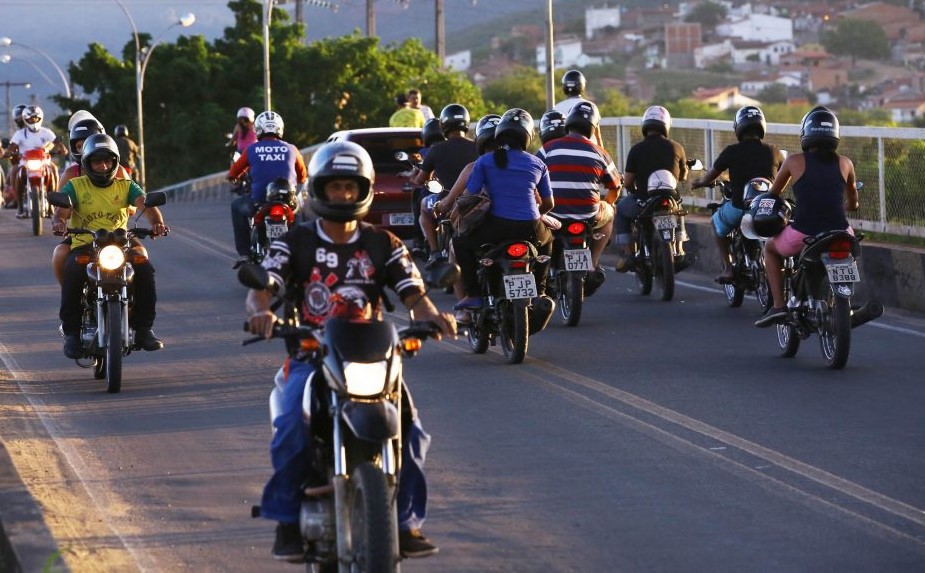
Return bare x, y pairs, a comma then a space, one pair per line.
415, 329
140, 232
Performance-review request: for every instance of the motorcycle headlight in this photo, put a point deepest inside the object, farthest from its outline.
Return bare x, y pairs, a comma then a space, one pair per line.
367, 378
111, 257
34, 164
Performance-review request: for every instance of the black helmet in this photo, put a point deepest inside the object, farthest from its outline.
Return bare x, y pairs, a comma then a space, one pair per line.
485, 132
584, 118
819, 129
552, 126
573, 83
80, 132
99, 146
754, 188
281, 189
454, 117
17, 115
120, 131
748, 118
340, 160
515, 126
766, 217
656, 118
432, 132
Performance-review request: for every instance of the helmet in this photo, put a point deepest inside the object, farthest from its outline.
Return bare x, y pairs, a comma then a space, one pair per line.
78, 115
247, 113
120, 131
281, 189
573, 83
753, 188
766, 217
485, 132
99, 146
749, 117
516, 124
819, 129
32, 116
80, 132
656, 118
432, 133
340, 160
17, 114
269, 123
662, 179
552, 126
584, 118
454, 117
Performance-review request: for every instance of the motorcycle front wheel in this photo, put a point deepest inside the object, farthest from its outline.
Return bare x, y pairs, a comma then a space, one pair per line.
663, 265
113, 346
835, 332
373, 526
514, 330
36, 211
571, 297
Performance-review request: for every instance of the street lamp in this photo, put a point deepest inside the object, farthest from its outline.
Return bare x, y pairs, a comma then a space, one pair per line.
6, 58
9, 102
7, 41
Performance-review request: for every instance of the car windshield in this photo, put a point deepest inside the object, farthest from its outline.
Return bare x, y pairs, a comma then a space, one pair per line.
382, 150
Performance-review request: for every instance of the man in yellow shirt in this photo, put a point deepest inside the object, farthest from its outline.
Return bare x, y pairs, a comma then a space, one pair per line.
406, 116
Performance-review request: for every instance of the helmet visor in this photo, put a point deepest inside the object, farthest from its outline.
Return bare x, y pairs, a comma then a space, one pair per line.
33, 119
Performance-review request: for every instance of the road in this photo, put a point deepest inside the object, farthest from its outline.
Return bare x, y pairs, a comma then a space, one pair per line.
653, 437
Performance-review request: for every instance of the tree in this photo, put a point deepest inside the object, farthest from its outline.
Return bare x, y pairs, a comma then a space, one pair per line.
707, 14
858, 39
523, 87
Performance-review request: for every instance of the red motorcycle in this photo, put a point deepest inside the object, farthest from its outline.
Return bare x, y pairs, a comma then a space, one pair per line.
36, 178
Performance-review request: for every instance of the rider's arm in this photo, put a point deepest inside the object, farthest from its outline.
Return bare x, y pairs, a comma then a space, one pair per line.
458, 189
708, 177
423, 309
420, 177
783, 176
301, 172
240, 166
629, 182
852, 198
544, 190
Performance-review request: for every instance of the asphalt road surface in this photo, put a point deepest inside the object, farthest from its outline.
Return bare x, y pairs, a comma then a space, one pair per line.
653, 437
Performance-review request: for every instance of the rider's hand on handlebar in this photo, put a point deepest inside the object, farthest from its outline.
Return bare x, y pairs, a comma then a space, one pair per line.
261, 323
159, 230
58, 227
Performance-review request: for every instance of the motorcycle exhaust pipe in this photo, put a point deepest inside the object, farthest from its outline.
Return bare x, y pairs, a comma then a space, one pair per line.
873, 309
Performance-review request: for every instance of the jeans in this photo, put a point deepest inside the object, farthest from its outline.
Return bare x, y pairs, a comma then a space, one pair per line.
282, 495
242, 209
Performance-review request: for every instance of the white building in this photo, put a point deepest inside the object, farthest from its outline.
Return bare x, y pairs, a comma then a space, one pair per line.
599, 19
460, 61
758, 27
566, 53
769, 53
705, 56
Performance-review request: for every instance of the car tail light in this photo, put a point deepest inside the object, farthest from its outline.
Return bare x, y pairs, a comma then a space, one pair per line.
840, 248
517, 250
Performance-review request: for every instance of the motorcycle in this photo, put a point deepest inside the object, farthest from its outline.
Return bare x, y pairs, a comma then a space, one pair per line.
818, 285
511, 308
569, 268
35, 176
272, 220
348, 517
659, 235
107, 297
748, 274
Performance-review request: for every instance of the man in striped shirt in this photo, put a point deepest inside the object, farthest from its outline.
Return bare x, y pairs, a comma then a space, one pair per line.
578, 170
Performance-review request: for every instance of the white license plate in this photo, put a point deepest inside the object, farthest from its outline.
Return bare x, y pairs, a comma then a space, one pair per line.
276, 230
665, 222
843, 273
520, 286
401, 219
577, 259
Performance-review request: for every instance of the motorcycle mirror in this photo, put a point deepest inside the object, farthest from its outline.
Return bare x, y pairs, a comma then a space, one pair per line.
5, 142
434, 186
695, 164
155, 199
253, 276
59, 199
401, 156
858, 185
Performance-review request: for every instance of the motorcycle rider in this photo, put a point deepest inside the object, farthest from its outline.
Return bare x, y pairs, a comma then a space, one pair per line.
552, 126
431, 134
751, 157
266, 159
824, 186
244, 133
445, 160
655, 152
573, 86
10, 195
32, 136
100, 201
577, 170
317, 263
518, 183
128, 150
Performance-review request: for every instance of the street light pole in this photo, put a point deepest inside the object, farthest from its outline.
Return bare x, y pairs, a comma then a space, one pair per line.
6, 41
267, 15
9, 102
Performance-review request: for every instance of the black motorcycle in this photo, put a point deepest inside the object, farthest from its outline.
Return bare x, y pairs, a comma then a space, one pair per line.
107, 295
570, 267
659, 235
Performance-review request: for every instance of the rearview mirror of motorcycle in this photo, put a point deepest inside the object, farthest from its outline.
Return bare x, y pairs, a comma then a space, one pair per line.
256, 277
858, 185
401, 156
59, 199
433, 186
155, 199
695, 164
5, 142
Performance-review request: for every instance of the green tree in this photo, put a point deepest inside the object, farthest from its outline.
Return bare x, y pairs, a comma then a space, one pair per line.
707, 14
858, 39
524, 88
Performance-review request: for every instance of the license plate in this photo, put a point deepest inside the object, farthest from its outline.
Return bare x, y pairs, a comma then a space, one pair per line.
577, 259
401, 219
520, 286
843, 273
276, 230
665, 222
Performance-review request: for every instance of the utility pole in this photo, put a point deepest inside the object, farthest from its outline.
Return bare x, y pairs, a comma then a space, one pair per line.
440, 34
370, 19
299, 16
550, 64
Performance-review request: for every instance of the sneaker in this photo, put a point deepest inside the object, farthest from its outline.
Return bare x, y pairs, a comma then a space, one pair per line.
288, 545
412, 543
419, 253
594, 281
468, 302
434, 258
625, 264
73, 348
145, 339
22, 215
771, 316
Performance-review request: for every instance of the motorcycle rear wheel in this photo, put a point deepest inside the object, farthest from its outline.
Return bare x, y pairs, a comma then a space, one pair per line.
113, 357
571, 297
663, 265
515, 331
835, 332
373, 525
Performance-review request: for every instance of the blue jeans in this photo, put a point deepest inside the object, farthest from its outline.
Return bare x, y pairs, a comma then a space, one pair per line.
282, 495
726, 219
242, 209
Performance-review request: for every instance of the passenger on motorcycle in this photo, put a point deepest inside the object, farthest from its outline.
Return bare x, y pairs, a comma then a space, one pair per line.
431, 134
445, 161
518, 183
824, 186
578, 169
336, 256
10, 193
266, 159
100, 201
749, 158
244, 133
655, 152
128, 150
32, 136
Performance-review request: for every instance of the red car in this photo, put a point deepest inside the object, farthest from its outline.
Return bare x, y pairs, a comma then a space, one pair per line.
391, 204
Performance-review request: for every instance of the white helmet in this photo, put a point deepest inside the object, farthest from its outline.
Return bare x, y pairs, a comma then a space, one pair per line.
79, 115
662, 179
246, 112
32, 116
656, 118
269, 123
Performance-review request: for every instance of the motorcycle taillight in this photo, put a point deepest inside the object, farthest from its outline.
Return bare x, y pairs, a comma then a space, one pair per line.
665, 203
517, 250
575, 228
278, 211
840, 249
